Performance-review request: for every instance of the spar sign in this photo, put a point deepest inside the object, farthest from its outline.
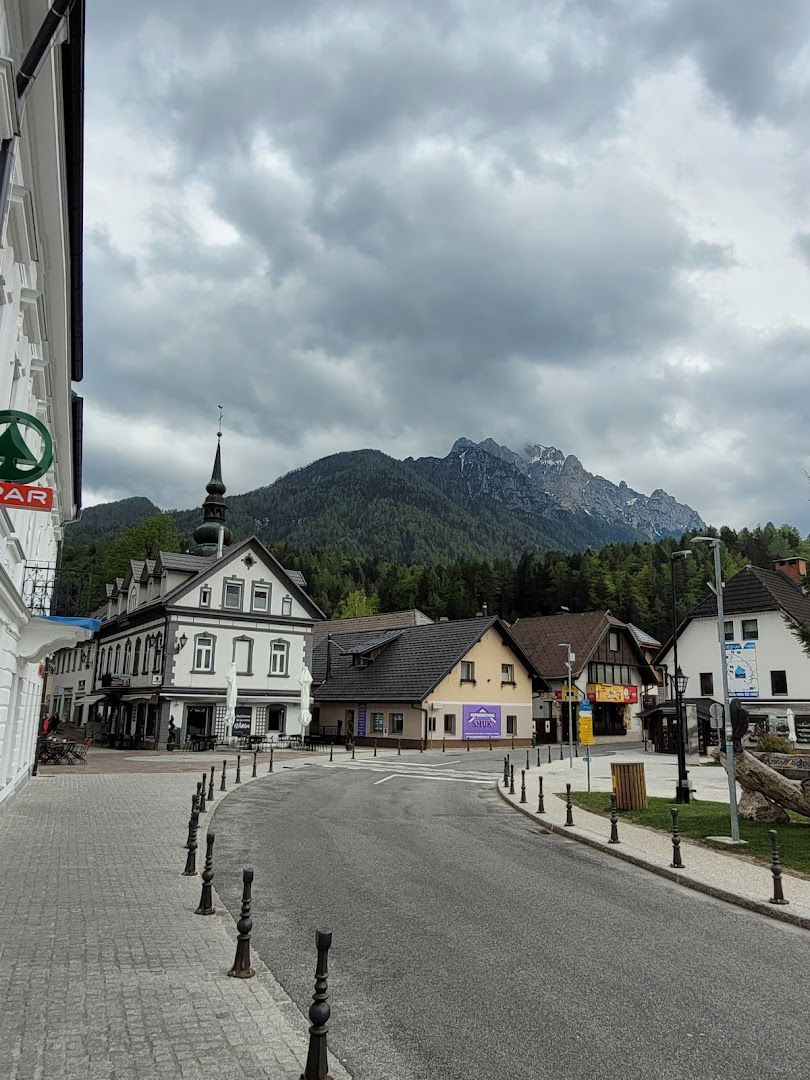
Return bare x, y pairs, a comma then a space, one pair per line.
24, 457
26, 498
481, 721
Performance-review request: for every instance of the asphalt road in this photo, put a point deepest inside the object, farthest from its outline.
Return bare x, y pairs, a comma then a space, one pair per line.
468, 943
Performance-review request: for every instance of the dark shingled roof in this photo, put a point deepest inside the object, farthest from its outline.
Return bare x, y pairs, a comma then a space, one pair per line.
411, 663
191, 564
386, 620
298, 578
755, 589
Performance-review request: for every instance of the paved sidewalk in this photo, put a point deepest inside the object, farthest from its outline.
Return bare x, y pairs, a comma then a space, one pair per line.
105, 972
729, 876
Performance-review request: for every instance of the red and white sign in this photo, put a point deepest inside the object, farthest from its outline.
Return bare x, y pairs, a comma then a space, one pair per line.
25, 497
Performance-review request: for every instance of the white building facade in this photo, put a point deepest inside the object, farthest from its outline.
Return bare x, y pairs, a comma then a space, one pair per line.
40, 345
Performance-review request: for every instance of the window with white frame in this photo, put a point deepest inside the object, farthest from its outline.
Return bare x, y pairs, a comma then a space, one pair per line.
397, 723
232, 595
117, 662
431, 723
205, 596
728, 630
613, 641
508, 673
260, 597
243, 655
158, 654
377, 722
136, 656
467, 671
286, 605
449, 723
750, 629
511, 725
279, 657
133, 598
127, 656
204, 652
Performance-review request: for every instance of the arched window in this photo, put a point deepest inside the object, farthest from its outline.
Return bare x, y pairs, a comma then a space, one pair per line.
136, 656
100, 664
117, 661
279, 657
147, 648
109, 660
127, 656
158, 653
204, 652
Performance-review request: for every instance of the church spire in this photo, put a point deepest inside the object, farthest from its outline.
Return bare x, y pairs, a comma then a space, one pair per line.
207, 535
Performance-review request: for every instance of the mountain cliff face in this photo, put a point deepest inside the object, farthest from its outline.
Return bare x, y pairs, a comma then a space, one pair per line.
565, 481
480, 501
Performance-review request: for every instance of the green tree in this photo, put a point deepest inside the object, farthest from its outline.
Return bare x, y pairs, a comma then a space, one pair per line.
357, 603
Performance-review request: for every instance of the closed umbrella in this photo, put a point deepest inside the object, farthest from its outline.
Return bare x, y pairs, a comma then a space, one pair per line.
791, 723
230, 695
305, 682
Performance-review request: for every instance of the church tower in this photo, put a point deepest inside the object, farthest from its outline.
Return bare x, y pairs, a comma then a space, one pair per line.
206, 535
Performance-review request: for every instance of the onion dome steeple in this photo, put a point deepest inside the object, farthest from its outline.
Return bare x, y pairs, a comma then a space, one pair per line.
206, 535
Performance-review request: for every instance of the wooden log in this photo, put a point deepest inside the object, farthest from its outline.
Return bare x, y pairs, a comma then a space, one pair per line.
629, 784
754, 775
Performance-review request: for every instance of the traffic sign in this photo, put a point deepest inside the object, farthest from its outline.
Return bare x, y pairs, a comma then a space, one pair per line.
586, 724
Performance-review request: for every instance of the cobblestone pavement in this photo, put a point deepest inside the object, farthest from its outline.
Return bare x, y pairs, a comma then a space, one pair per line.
105, 971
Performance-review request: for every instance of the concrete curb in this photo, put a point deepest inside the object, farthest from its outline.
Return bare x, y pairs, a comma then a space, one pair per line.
760, 906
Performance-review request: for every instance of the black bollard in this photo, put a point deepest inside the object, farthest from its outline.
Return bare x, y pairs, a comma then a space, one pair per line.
255, 755
375, 748
576, 749
490, 742
513, 740
191, 820
238, 777
569, 817
614, 818
561, 752
528, 766
677, 862
352, 751
511, 779
776, 869
541, 806
538, 757
468, 745
270, 766
222, 781
549, 753
191, 858
211, 786
241, 965
317, 1066
399, 747
331, 748
505, 773
205, 906
523, 785
201, 794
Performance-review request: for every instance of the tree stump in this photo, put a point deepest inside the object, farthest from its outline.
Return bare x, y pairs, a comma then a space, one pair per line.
753, 806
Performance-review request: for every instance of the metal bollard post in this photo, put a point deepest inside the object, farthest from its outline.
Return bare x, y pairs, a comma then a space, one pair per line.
569, 817
399, 747
375, 748
468, 745
513, 740
561, 752
443, 750
352, 751
541, 806
523, 785
211, 786
677, 862
490, 742
549, 753
317, 1066
576, 749
205, 906
222, 781
511, 779
238, 777
241, 965
255, 755
270, 767
191, 858
528, 766
190, 820
614, 818
776, 869
538, 757
201, 793
331, 748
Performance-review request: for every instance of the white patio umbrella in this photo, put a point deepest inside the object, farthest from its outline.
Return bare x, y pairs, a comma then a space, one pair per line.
791, 723
230, 695
305, 682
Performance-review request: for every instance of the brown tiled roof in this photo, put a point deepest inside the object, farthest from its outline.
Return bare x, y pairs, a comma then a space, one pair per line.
388, 620
540, 637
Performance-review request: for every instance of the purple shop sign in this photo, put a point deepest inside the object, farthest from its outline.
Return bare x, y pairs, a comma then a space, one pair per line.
481, 721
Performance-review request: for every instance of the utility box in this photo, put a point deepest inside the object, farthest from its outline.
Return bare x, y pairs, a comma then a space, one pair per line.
629, 784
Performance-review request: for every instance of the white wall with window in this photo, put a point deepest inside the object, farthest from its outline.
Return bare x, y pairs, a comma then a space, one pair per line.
248, 585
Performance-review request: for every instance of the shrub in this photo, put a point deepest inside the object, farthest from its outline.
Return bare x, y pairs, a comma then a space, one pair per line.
774, 744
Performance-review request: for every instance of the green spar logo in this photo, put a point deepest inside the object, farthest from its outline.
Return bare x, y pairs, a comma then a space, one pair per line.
17, 463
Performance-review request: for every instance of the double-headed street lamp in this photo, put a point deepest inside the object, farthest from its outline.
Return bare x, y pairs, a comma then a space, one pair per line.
682, 792
714, 544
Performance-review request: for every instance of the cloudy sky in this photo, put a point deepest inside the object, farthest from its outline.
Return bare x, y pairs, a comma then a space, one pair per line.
582, 223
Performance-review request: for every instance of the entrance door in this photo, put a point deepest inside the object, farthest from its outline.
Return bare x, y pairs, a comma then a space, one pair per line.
276, 715
197, 719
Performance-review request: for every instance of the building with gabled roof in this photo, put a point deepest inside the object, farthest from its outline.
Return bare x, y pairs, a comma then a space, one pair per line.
767, 668
460, 681
610, 669
171, 629
384, 620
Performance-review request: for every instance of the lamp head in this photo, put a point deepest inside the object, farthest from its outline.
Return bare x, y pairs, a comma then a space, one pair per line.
682, 554
681, 680
705, 540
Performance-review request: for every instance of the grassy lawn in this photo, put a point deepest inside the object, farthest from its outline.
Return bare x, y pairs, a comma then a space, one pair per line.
701, 819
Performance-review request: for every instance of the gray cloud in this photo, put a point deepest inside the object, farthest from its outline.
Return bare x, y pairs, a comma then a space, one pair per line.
360, 227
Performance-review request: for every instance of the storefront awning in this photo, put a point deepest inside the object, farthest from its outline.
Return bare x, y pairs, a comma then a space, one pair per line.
45, 634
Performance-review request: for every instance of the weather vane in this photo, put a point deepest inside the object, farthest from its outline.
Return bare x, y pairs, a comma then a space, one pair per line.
219, 429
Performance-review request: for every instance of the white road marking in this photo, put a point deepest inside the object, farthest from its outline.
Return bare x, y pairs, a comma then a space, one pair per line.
383, 780
406, 770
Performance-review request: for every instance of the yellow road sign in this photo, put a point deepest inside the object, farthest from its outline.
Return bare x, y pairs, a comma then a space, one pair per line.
586, 729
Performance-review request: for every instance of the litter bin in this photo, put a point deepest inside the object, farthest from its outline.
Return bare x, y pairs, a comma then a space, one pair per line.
629, 784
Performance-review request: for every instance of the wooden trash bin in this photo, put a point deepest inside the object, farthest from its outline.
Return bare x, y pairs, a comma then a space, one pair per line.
629, 785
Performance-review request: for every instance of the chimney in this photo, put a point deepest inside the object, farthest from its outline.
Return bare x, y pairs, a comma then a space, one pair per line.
485, 609
795, 568
443, 618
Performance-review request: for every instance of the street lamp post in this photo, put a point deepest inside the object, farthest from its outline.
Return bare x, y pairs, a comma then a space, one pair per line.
682, 793
569, 660
714, 544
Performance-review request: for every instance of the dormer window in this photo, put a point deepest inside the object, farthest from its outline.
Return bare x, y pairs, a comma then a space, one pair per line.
232, 595
133, 598
205, 596
286, 605
359, 661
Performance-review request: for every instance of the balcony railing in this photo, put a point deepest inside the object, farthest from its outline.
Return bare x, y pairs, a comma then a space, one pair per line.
48, 589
